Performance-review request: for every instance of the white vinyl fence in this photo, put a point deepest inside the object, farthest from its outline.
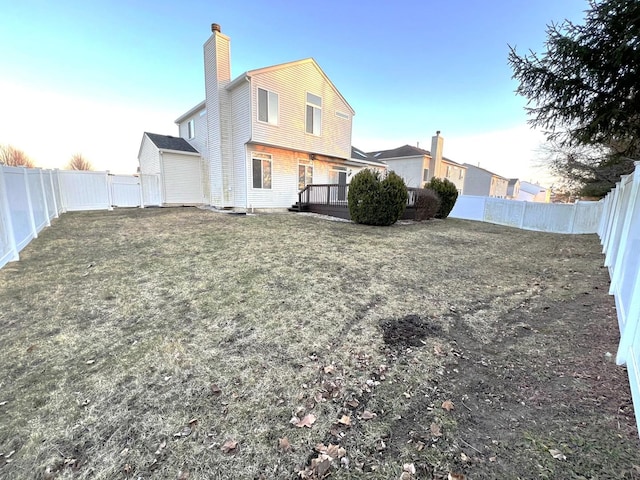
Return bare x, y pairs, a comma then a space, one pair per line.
579, 217
619, 233
31, 197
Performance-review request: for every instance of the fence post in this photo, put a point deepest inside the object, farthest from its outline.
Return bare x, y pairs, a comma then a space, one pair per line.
44, 198
572, 219
613, 219
5, 211
141, 193
32, 220
109, 193
524, 211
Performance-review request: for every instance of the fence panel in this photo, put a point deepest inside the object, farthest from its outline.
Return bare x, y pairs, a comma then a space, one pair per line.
38, 201
588, 217
19, 206
469, 207
8, 250
504, 212
125, 191
548, 217
151, 195
84, 190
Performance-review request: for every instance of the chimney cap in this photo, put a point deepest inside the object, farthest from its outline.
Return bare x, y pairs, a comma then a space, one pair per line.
216, 28
437, 132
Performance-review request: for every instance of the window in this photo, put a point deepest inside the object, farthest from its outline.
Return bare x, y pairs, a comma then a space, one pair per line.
314, 114
191, 127
448, 171
425, 175
461, 174
261, 164
305, 175
267, 106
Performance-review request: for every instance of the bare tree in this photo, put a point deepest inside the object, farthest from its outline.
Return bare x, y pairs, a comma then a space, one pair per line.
78, 162
14, 157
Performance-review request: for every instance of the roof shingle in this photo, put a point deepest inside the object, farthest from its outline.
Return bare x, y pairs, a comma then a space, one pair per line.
167, 142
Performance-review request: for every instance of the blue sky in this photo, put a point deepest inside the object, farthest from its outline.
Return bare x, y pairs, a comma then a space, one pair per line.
91, 76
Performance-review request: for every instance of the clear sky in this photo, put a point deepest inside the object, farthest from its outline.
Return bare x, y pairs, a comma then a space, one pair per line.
91, 76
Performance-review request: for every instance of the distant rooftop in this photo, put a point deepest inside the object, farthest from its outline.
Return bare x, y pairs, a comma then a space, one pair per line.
167, 142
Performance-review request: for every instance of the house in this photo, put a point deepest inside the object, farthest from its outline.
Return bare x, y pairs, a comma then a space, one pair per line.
513, 189
417, 166
259, 138
532, 192
480, 181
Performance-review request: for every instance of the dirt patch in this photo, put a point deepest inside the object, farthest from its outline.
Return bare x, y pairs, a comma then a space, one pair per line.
142, 343
408, 331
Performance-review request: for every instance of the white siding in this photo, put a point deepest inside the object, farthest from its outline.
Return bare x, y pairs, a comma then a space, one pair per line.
410, 169
292, 83
182, 179
149, 157
241, 134
217, 76
477, 181
199, 142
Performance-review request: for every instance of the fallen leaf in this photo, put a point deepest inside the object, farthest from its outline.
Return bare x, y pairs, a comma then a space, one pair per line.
557, 454
438, 350
409, 467
353, 403
183, 475
455, 476
161, 447
193, 422
229, 446
306, 421
464, 457
215, 389
367, 415
284, 444
329, 369
322, 468
447, 405
492, 459
435, 430
345, 420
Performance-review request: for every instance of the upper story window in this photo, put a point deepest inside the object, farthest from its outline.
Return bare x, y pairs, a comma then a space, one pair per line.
461, 174
448, 171
425, 175
267, 106
191, 127
313, 114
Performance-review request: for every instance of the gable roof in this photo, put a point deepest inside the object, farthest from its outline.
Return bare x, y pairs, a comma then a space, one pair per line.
248, 74
468, 165
407, 151
403, 151
360, 156
167, 142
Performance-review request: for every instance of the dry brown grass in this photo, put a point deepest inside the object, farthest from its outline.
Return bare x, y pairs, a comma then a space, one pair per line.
115, 326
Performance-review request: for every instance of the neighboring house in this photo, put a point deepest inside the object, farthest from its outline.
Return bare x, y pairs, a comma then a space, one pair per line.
264, 135
513, 189
531, 192
482, 182
417, 166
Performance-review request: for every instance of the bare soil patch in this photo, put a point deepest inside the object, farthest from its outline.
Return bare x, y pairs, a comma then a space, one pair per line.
182, 343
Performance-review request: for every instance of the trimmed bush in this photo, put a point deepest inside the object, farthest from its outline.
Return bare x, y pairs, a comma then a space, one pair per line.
427, 204
373, 201
447, 192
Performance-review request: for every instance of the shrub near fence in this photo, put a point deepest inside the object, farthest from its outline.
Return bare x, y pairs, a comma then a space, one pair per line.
31, 197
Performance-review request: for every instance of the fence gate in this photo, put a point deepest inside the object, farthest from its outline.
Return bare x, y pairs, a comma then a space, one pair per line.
125, 190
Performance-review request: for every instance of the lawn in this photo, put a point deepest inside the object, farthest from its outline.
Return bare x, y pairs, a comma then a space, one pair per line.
186, 344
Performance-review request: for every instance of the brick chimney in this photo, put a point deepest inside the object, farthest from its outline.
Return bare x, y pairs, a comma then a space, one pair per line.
217, 75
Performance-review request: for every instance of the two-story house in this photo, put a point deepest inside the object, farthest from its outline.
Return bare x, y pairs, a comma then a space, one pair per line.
261, 137
480, 181
417, 166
